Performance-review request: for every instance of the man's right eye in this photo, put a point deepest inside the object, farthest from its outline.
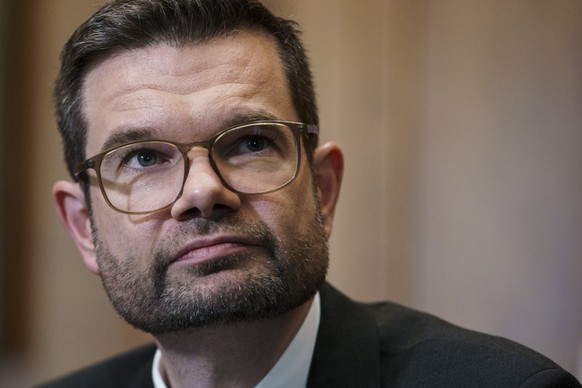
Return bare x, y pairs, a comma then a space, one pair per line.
146, 158
141, 159
252, 144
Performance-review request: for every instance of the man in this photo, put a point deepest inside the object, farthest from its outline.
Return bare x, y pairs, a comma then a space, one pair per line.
203, 201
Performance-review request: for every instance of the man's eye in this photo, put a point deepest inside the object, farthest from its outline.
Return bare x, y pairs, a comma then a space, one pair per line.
146, 158
142, 159
253, 144
250, 145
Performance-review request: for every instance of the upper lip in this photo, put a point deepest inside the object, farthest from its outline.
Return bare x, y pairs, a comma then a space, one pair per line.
208, 241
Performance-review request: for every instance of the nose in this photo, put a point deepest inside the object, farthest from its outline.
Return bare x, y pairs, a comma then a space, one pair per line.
203, 194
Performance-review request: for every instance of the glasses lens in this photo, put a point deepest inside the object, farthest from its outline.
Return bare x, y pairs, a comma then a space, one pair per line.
256, 158
142, 177
146, 176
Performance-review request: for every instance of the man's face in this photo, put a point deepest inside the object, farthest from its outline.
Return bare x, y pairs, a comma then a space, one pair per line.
214, 256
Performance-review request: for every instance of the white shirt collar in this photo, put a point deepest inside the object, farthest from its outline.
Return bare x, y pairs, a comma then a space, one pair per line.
292, 369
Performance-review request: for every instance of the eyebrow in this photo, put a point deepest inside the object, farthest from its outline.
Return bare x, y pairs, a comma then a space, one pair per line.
126, 135
248, 117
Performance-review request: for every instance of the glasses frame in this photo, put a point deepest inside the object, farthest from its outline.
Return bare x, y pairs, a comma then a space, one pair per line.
94, 162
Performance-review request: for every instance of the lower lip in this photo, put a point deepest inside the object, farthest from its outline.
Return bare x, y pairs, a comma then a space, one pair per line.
211, 252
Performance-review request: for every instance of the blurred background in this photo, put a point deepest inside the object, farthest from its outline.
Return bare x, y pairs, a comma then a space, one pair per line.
461, 122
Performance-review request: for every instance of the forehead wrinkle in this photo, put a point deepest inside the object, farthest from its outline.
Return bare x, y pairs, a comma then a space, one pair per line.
158, 94
150, 99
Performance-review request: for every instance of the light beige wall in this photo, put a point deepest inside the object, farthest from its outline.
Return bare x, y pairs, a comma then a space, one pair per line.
461, 125
462, 128
501, 226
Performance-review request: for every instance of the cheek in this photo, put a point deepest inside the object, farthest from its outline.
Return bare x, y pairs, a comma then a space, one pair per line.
290, 211
122, 235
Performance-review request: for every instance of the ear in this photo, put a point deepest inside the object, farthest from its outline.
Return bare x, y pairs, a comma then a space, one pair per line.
74, 215
329, 164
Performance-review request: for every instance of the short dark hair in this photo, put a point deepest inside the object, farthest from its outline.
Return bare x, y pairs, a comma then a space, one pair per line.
130, 24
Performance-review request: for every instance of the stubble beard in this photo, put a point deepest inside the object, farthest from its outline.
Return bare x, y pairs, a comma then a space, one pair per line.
286, 274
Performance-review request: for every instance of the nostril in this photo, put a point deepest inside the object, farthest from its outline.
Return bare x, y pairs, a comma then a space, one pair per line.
216, 211
203, 194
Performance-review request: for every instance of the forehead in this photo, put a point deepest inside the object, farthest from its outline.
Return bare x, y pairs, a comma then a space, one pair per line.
185, 92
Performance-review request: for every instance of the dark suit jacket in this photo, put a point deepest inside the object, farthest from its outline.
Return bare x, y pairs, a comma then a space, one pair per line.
377, 345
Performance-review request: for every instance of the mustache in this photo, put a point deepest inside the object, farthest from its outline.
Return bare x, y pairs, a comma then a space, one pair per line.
256, 231
204, 227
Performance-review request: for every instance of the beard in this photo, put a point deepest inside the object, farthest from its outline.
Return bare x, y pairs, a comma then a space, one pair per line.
241, 287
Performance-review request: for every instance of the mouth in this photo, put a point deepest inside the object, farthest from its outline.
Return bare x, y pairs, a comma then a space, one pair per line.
212, 248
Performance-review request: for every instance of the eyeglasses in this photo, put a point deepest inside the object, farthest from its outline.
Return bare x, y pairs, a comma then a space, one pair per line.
147, 176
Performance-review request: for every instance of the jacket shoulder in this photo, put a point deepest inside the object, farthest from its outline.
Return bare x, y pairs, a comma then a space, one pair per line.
131, 369
429, 351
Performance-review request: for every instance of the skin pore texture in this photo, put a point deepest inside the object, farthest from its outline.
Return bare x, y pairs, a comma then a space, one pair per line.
223, 281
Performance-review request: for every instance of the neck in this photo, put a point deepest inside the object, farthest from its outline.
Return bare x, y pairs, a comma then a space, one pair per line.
237, 355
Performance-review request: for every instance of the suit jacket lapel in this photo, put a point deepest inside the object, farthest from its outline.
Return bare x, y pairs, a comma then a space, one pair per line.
347, 350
